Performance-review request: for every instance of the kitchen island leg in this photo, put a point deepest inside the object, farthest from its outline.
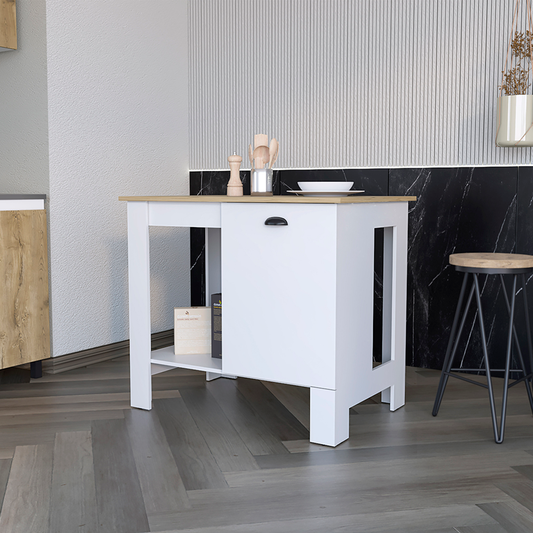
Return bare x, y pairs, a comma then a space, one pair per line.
139, 305
330, 418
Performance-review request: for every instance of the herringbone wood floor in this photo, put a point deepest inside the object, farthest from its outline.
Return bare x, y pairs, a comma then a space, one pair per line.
234, 456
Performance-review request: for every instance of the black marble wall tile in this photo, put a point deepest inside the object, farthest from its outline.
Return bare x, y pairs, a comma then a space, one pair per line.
197, 251
215, 181
524, 242
458, 210
374, 181
524, 226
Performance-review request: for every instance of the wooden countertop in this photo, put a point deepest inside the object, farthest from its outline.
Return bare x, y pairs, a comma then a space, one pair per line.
355, 199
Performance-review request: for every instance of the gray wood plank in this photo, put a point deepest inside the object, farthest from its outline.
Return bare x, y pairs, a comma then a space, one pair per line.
313, 525
489, 528
27, 498
520, 490
325, 455
5, 468
281, 422
421, 432
250, 427
73, 498
161, 484
513, 517
432, 519
61, 417
12, 414
102, 386
196, 464
7, 453
491, 469
21, 435
228, 449
118, 492
76, 401
525, 470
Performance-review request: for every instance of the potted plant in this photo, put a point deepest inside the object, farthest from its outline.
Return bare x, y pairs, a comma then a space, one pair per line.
515, 106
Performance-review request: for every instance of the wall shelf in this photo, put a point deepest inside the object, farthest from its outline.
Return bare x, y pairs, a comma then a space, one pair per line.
8, 25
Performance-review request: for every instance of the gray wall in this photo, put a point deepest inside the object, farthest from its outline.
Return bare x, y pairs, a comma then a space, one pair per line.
349, 83
23, 106
118, 107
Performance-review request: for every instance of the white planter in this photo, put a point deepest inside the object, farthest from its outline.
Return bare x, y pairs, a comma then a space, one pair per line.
515, 120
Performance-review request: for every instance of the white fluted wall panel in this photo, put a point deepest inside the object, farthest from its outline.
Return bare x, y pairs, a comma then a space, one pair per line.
349, 83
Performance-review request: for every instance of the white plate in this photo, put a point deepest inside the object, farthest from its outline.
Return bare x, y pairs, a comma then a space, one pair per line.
326, 193
321, 186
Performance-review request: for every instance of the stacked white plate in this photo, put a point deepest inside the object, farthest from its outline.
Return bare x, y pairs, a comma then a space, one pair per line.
325, 188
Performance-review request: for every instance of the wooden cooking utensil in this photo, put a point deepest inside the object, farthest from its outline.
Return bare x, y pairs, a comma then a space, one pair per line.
273, 152
260, 139
261, 156
251, 156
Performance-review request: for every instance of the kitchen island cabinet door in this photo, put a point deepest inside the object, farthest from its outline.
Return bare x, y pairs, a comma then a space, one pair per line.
278, 293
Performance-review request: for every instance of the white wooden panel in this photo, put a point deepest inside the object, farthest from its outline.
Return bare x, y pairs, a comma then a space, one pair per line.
21, 205
344, 83
202, 362
201, 215
139, 305
279, 327
356, 378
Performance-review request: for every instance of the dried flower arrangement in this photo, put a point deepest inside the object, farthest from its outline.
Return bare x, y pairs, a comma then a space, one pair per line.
517, 79
515, 106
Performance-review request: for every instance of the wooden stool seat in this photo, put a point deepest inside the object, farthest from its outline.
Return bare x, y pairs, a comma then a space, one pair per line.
492, 260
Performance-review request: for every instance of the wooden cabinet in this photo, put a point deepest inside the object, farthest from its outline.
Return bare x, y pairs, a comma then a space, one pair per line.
8, 25
24, 313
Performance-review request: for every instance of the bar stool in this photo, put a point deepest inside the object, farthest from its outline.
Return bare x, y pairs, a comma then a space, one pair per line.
474, 264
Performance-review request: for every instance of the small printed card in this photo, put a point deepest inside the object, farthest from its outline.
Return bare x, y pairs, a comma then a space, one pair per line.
192, 330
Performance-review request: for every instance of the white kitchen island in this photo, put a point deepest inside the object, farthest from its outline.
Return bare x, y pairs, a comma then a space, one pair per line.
297, 281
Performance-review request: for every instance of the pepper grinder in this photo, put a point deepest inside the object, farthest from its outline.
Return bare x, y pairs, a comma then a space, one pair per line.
234, 183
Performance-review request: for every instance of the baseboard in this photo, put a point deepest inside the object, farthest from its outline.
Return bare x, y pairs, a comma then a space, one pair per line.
71, 361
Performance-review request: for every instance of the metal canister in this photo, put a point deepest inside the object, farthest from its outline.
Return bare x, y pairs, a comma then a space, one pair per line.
261, 184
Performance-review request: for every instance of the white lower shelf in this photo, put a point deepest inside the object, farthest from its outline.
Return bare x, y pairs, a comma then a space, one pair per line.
202, 362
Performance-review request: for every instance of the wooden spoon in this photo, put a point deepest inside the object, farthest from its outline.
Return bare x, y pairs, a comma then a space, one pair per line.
251, 156
261, 156
274, 146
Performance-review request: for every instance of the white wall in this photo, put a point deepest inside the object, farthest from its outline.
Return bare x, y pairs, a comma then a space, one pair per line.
23, 106
349, 83
118, 125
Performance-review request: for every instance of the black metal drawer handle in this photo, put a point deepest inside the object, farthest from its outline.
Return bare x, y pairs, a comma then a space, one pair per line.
276, 221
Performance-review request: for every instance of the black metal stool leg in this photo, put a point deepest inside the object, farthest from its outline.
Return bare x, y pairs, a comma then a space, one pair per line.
526, 376
486, 358
452, 343
499, 438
